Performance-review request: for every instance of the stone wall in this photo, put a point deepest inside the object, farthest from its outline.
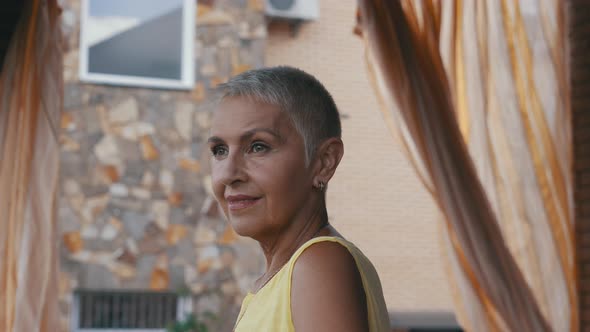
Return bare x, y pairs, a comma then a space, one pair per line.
135, 208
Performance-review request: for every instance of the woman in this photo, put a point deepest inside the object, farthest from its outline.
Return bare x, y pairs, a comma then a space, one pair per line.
275, 144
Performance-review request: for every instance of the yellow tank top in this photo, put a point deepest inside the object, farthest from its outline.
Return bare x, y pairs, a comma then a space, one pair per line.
269, 310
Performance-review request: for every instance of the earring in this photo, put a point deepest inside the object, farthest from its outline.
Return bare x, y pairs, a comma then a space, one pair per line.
321, 186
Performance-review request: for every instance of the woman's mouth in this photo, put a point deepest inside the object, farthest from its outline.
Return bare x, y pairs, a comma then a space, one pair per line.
240, 202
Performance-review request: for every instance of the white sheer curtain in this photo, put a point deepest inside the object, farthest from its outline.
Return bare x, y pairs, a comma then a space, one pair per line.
477, 91
30, 106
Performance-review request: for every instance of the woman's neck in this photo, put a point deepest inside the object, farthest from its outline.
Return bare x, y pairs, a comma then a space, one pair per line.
279, 249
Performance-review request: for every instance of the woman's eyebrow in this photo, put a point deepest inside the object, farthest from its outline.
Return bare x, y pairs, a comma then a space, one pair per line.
248, 134
214, 139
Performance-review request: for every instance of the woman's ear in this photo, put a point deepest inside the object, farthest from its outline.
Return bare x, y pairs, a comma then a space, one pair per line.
328, 156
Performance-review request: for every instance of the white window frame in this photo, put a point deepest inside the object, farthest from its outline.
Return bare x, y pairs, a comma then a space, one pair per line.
184, 307
187, 80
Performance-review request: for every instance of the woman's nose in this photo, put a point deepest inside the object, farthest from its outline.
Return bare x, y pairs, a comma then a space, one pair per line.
232, 169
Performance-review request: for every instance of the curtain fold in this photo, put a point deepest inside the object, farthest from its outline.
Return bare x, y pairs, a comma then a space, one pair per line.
31, 91
477, 91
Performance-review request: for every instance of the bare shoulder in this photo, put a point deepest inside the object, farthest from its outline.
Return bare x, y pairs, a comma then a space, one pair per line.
327, 292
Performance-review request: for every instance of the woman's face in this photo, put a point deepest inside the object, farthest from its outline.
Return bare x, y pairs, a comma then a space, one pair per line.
258, 167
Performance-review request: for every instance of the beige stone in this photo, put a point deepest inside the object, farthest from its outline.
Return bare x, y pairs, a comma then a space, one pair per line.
160, 212
105, 258
209, 252
214, 17
140, 193
109, 232
259, 32
71, 187
83, 256
166, 181
183, 119
68, 144
244, 30
148, 180
131, 245
124, 112
107, 152
204, 236
123, 271
136, 130
203, 119
93, 207
119, 190
208, 69
71, 66
207, 184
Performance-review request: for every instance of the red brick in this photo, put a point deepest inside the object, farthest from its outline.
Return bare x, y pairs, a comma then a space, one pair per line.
582, 223
583, 195
583, 178
582, 212
584, 240
584, 255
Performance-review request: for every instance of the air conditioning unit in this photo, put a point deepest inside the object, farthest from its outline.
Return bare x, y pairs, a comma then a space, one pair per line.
293, 9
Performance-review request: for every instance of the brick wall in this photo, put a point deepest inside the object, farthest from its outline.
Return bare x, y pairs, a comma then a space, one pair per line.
580, 37
375, 198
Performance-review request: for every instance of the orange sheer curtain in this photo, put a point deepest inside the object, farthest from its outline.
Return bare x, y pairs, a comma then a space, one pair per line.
477, 91
30, 105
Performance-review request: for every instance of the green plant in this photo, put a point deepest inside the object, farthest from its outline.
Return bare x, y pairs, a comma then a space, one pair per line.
190, 324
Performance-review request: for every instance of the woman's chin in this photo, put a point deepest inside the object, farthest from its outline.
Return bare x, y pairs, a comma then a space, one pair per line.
246, 227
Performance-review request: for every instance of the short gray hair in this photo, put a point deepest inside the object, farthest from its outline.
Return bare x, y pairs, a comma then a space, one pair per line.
307, 102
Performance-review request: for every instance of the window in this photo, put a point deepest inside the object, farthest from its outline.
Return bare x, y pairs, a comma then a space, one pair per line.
120, 311
138, 42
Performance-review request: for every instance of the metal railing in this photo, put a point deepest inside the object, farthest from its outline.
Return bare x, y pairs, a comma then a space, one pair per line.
100, 310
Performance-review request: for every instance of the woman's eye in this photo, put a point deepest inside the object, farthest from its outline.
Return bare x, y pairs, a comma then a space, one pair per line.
258, 147
219, 151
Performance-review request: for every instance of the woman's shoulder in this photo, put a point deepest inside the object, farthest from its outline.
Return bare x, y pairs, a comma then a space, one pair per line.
331, 250
326, 283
